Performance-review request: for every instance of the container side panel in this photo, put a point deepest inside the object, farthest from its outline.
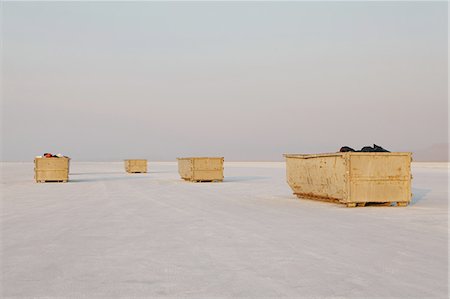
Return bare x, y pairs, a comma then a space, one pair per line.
380, 166
380, 191
208, 163
380, 177
322, 177
51, 175
51, 169
51, 163
185, 168
136, 165
201, 168
208, 175
208, 169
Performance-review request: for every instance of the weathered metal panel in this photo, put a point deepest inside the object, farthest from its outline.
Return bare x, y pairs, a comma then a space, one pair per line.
318, 177
201, 168
185, 168
135, 165
380, 177
51, 169
351, 178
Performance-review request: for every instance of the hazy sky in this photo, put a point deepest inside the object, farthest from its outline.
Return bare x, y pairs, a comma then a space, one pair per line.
244, 80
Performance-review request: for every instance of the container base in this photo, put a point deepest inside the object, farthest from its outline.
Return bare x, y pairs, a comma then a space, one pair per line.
202, 181
52, 181
351, 204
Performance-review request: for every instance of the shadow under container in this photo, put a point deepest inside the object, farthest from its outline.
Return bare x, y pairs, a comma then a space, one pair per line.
201, 169
51, 169
351, 178
136, 166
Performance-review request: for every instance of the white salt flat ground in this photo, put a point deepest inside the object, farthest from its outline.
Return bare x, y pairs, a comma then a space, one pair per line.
110, 234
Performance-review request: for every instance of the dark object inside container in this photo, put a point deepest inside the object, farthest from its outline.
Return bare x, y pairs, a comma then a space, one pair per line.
366, 149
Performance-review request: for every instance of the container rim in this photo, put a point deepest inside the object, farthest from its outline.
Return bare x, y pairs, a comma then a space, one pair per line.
306, 156
135, 160
183, 158
61, 158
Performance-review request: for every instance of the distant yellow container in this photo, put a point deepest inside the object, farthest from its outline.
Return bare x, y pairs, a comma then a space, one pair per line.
201, 169
51, 169
351, 178
136, 166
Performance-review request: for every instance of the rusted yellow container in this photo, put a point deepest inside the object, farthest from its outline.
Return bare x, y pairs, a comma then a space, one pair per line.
136, 166
201, 169
51, 169
351, 178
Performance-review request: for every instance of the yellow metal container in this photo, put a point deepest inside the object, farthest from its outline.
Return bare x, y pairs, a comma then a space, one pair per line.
351, 178
136, 166
201, 169
51, 169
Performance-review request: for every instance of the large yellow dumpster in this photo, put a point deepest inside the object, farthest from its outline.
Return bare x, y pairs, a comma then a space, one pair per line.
136, 166
201, 169
51, 169
351, 178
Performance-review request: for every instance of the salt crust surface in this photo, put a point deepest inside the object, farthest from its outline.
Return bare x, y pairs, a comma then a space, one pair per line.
111, 234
